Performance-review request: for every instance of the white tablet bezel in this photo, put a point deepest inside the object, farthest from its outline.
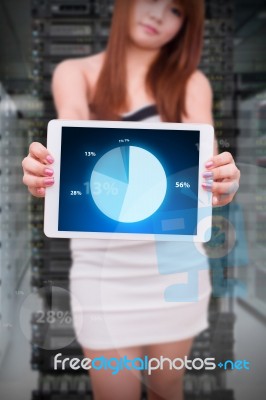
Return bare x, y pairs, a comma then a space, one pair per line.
51, 205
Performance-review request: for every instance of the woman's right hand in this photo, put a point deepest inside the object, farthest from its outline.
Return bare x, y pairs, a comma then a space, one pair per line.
38, 173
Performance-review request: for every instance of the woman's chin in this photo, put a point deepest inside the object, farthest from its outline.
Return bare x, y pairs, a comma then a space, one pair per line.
145, 42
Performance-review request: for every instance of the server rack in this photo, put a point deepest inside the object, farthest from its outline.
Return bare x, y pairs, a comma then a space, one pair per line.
250, 78
14, 243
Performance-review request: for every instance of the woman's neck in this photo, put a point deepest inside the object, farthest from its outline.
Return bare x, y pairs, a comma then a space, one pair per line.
139, 60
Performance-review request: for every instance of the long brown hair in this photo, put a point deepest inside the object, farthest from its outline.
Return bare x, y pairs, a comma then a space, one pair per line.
168, 75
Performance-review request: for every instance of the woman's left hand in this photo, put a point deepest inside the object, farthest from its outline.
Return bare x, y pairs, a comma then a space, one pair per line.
221, 178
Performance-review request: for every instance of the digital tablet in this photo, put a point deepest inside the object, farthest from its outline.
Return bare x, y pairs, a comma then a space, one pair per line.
128, 180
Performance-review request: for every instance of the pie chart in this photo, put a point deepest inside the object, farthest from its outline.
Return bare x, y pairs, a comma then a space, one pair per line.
128, 184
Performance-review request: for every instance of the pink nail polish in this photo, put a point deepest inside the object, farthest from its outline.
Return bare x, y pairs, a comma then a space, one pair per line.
50, 159
208, 174
207, 186
209, 164
49, 181
48, 171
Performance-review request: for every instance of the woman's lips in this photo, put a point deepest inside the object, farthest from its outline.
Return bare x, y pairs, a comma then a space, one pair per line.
150, 29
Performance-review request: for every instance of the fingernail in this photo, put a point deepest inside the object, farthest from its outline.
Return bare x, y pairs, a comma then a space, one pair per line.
208, 174
209, 164
207, 186
49, 181
50, 159
214, 200
48, 171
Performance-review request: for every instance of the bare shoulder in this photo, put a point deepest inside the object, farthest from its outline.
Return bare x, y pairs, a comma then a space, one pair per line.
85, 68
68, 66
198, 81
198, 102
94, 62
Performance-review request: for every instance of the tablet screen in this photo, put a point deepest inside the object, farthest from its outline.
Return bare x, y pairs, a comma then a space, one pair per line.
128, 180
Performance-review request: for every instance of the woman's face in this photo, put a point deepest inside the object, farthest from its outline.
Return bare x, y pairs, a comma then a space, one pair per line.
155, 22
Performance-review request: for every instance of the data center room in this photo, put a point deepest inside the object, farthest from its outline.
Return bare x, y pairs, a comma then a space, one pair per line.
35, 317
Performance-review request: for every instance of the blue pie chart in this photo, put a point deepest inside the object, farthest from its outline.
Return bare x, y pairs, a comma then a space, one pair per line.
128, 184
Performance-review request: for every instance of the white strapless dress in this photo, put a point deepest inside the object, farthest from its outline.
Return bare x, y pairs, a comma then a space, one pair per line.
128, 293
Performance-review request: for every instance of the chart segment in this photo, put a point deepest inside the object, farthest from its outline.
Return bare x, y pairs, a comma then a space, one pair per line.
114, 164
108, 194
128, 184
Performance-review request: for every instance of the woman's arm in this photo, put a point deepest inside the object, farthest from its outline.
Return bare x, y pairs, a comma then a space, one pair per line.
199, 102
222, 175
70, 90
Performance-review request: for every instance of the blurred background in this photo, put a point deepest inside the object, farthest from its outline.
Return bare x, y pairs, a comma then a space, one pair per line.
35, 320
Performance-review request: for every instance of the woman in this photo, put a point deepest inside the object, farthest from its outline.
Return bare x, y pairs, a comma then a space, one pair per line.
148, 72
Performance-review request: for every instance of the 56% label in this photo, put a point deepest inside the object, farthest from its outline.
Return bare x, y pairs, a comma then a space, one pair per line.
185, 185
